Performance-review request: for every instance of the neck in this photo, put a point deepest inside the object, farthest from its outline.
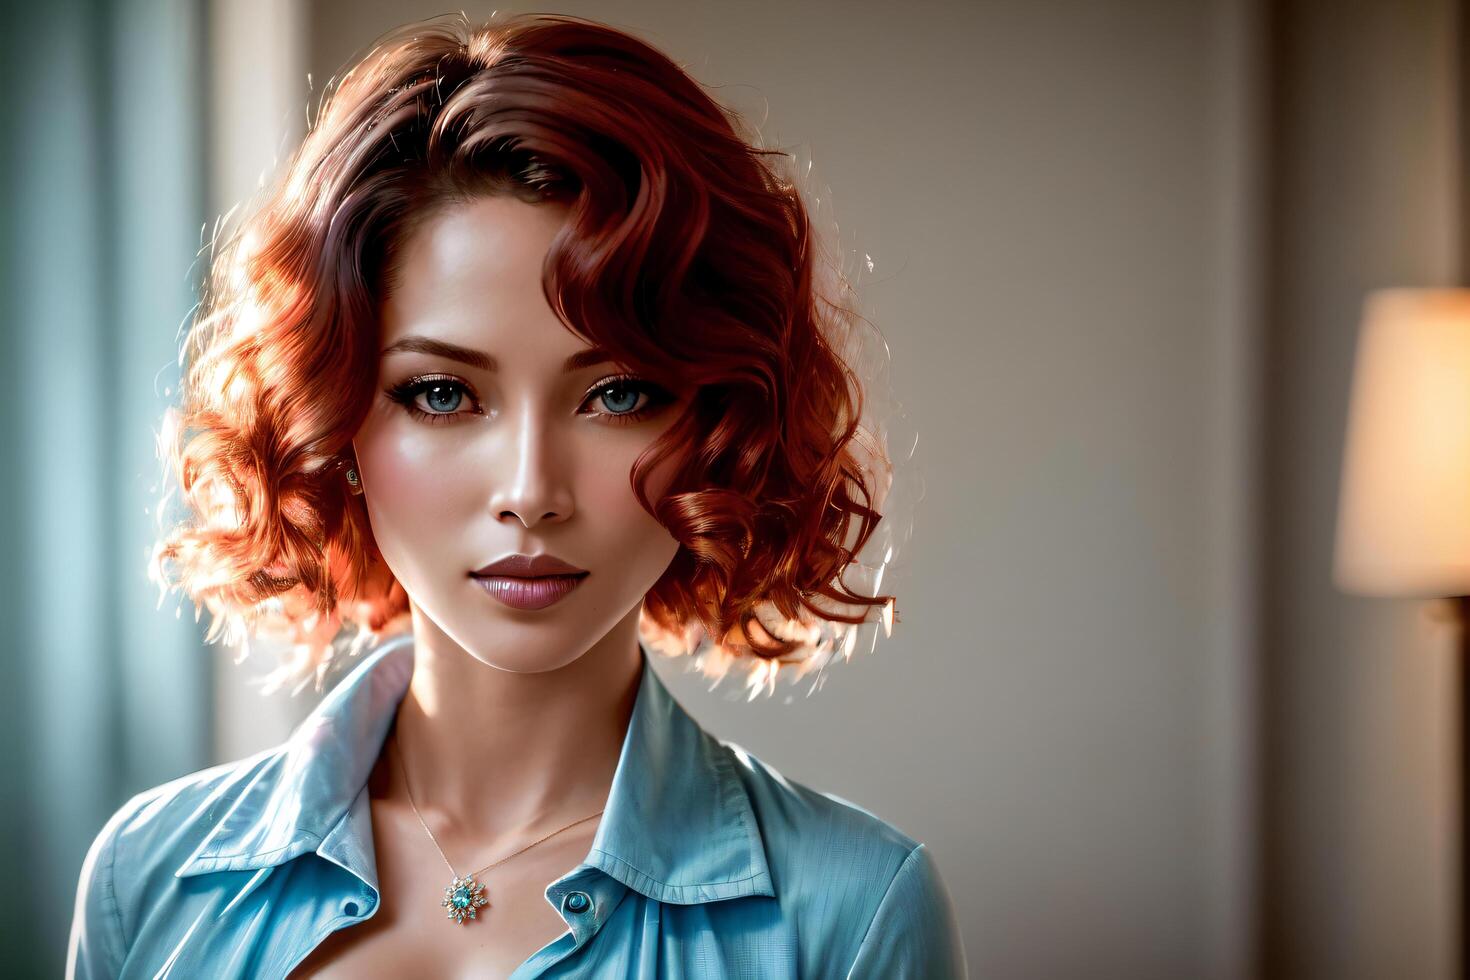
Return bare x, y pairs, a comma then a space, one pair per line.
492, 753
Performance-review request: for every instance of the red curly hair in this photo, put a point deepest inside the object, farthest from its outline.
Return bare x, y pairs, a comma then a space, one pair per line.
686, 253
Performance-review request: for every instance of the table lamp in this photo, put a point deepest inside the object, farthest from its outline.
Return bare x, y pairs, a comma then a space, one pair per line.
1403, 521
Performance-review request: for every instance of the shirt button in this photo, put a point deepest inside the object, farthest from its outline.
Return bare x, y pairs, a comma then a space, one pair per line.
350, 908
577, 902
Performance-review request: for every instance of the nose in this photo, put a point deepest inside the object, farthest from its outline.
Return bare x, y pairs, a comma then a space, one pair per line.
530, 485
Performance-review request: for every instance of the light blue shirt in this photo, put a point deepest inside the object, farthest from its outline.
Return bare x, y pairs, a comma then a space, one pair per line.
707, 862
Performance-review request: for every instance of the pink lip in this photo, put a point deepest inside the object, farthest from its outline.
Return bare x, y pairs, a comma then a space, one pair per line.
528, 593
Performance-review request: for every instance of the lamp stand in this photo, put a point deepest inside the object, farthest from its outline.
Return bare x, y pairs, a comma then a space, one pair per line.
1460, 612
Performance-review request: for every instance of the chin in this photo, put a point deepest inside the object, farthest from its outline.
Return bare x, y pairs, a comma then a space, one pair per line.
527, 642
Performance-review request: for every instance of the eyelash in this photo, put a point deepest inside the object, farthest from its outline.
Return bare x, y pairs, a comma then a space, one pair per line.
406, 393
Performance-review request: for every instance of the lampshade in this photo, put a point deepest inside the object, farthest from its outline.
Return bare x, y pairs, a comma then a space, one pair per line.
1403, 521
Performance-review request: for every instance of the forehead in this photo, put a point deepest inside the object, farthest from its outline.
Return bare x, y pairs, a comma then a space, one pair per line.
471, 275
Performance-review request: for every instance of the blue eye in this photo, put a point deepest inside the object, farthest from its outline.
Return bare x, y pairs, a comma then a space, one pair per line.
441, 395
621, 397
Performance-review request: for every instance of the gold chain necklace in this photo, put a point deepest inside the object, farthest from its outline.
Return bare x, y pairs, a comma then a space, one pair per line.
464, 894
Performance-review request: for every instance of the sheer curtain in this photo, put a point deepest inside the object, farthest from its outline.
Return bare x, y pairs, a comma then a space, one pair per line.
106, 691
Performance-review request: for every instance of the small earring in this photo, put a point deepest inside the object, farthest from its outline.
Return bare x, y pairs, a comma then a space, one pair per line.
354, 481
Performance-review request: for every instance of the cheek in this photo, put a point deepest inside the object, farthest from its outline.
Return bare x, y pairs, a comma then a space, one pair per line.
629, 529
402, 458
408, 501
392, 470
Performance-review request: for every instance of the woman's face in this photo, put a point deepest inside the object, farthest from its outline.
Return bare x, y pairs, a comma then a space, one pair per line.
506, 451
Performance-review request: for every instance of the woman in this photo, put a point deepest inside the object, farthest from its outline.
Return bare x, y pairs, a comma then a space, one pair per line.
523, 370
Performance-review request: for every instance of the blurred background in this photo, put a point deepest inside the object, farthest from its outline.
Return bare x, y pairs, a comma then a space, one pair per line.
1120, 250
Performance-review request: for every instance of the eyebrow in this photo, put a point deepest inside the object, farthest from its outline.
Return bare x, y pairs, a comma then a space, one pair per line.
479, 359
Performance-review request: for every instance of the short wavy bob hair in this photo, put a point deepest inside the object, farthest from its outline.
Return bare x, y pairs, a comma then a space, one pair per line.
687, 253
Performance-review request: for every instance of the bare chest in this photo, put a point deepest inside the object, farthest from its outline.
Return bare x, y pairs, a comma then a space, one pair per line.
409, 934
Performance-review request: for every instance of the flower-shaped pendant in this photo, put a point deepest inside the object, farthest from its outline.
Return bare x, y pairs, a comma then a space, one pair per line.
462, 897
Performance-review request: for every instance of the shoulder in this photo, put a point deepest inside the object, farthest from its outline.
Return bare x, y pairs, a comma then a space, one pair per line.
163, 826
132, 859
802, 825
852, 879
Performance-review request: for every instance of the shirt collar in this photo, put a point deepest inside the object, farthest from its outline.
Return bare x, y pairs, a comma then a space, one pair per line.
678, 825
